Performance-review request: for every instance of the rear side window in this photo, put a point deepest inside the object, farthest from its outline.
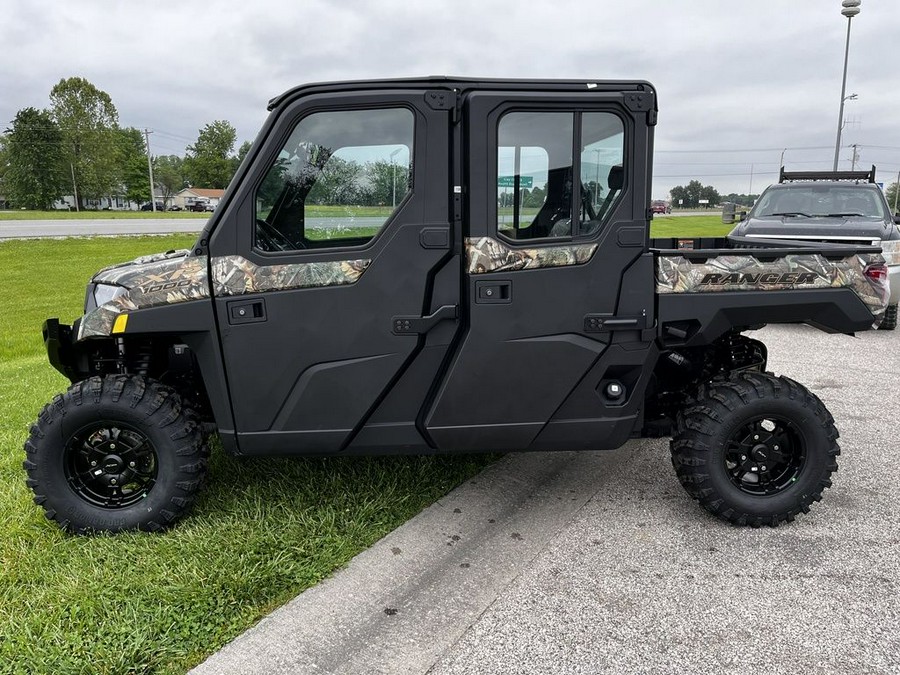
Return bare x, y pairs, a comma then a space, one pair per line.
338, 179
553, 182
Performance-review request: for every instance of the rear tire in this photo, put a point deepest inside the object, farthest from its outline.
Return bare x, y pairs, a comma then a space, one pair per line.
755, 449
115, 453
889, 322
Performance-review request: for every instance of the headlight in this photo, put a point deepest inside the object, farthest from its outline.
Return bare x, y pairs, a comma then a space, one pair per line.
104, 293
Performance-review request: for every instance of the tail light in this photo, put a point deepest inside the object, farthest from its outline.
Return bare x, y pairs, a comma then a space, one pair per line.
877, 273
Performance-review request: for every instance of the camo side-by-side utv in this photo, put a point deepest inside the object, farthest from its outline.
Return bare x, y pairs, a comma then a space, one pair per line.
445, 265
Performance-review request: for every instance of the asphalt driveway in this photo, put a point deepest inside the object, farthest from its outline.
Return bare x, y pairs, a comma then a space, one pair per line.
600, 563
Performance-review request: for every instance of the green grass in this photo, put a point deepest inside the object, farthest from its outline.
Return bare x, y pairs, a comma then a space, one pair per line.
689, 226
262, 531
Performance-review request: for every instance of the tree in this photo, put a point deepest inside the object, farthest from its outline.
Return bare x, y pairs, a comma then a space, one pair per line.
892, 197
710, 194
337, 183
209, 163
35, 174
4, 168
690, 195
387, 183
168, 172
740, 199
133, 165
88, 121
241, 153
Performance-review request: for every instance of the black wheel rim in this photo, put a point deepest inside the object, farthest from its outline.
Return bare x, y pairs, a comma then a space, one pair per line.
110, 465
765, 455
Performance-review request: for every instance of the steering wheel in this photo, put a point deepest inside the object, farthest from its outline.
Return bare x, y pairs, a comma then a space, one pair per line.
270, 238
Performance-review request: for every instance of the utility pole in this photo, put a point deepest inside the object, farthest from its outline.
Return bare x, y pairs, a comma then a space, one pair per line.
855, 158
74, 185
147, 133
751, 180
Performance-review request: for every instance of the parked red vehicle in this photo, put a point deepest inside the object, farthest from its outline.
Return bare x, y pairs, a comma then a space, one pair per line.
660, 206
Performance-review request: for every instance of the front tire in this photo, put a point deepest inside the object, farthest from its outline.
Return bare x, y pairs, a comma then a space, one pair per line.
755, 449
115, 453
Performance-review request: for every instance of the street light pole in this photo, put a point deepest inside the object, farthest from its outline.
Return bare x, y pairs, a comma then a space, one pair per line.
850, 9
394, 179
147, 133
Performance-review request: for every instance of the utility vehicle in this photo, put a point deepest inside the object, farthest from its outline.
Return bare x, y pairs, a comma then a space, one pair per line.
445, 265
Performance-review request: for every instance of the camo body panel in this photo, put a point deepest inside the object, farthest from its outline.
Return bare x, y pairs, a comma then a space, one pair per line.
675, 274
485, 254
174, 277
151, 281
234, 275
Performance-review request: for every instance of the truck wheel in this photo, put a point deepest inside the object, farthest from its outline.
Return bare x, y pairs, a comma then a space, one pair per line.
889, 322
113, 454
755, 449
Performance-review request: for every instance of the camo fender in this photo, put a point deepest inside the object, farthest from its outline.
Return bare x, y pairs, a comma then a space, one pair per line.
485, 254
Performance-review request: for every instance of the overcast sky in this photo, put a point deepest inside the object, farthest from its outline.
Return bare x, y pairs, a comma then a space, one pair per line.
738, 80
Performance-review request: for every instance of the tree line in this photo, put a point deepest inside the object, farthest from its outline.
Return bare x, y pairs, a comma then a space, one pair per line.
77, 147
689, 196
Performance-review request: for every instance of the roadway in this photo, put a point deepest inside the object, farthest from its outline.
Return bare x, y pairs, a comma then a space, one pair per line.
44, 229
105, 227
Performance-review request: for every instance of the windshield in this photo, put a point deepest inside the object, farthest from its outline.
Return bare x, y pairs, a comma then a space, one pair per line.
820, 201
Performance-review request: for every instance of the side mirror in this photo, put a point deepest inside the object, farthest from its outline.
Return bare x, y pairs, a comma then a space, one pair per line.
743, 216
897, 218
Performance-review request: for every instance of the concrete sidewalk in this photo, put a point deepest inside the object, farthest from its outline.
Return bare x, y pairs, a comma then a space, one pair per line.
599, 562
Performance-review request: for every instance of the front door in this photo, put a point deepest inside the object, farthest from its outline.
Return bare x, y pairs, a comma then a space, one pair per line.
323, 267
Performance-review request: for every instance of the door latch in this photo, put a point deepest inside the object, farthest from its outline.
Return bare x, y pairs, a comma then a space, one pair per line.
413, 325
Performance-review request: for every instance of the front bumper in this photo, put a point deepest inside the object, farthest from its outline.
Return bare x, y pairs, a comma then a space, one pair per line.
58, 342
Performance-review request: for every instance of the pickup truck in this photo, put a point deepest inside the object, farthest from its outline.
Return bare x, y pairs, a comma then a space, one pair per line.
844, 207
422, 266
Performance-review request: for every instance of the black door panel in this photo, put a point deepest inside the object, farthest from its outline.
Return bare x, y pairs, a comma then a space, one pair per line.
528, 371
306, 379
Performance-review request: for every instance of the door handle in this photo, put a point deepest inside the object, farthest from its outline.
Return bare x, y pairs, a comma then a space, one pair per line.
492, 292
246, 311
415, 325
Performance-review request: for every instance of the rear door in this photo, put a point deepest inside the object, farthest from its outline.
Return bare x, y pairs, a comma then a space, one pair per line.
558, 281
325, 263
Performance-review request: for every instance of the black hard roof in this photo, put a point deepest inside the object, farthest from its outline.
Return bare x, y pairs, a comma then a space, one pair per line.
463, 83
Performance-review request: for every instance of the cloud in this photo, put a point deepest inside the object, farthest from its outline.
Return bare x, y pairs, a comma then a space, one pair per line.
730, 76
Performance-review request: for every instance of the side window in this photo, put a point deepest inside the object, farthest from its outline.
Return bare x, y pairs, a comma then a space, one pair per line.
337, 180
538, 183
602, 171
534, 174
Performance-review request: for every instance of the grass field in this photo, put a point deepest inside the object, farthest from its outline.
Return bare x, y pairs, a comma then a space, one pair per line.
262, 531
689, 226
